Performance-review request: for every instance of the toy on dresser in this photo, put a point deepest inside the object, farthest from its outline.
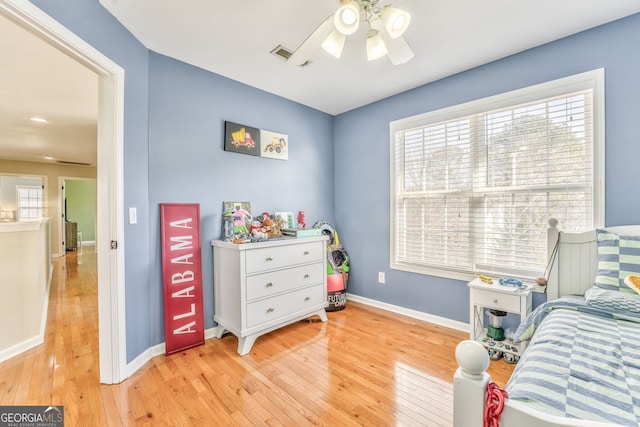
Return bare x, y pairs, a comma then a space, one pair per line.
301, 223
270, 226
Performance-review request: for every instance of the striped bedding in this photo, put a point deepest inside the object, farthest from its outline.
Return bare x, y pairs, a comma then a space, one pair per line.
583, 362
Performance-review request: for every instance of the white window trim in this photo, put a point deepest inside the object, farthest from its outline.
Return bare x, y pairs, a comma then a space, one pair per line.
20, 208
594, 79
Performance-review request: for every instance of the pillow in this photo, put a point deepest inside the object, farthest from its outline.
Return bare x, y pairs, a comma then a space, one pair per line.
618, 257
633, 282
608, 300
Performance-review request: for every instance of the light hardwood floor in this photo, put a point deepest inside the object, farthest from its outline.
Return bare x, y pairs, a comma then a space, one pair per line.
365, 366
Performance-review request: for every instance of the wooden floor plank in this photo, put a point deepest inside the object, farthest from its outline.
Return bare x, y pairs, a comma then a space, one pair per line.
365, 366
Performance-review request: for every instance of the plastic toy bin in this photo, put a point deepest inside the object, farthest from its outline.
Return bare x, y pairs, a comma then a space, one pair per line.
336, 291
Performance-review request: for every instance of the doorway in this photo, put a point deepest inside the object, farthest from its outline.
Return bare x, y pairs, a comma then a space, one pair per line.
110, 223
78, 220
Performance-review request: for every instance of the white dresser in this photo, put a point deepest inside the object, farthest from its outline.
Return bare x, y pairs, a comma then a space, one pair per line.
259, 287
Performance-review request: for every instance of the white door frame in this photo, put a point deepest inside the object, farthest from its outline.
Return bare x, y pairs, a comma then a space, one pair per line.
110, 216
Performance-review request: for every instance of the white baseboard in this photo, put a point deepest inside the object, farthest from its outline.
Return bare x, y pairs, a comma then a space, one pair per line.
437, 320
20, 348
144, 357
25, 345
36, 340
156, 350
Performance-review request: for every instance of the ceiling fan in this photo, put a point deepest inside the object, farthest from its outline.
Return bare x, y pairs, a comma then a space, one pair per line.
386, 25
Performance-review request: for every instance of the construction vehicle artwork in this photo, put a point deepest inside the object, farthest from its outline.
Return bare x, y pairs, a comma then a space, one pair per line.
277, 144
242, 138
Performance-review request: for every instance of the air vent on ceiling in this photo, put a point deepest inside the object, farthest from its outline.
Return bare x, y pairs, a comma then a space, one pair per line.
67, 162
282, 52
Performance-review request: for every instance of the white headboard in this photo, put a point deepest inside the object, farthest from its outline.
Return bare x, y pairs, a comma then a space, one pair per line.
576, 263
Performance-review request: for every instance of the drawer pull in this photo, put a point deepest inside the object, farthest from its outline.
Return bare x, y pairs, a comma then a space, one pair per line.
306, 252
270, 284
306, 276
271, 310
307, 299
495, 300
270, 258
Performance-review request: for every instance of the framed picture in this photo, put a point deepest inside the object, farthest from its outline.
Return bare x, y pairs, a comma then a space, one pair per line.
287, 218
274, 145
241, 139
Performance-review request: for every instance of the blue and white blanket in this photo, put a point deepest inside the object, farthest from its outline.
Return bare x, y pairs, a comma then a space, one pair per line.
583, 360
599, 302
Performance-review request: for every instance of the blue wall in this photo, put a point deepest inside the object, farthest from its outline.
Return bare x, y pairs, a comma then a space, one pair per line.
174, 121
364, 134
187, 163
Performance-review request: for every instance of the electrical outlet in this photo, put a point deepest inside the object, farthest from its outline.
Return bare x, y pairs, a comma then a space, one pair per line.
381, 277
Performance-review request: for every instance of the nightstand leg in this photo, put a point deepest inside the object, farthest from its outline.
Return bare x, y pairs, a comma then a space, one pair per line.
479, 325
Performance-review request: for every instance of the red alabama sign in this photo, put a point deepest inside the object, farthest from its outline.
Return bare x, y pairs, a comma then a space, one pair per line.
181, 276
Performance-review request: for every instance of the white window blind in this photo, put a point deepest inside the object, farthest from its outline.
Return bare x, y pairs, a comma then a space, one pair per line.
473, 193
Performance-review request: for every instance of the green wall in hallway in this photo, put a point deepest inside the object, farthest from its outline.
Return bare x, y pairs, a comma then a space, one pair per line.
81, 207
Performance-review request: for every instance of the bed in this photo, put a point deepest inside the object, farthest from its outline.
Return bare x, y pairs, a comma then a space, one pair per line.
582, 364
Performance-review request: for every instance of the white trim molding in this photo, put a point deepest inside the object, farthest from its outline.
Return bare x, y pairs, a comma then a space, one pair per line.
110, 189
415, 314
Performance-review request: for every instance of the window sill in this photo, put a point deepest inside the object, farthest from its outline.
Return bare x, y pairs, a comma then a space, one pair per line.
465, 277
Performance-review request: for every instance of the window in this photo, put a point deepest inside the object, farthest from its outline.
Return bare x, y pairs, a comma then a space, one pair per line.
473, 186
29, 202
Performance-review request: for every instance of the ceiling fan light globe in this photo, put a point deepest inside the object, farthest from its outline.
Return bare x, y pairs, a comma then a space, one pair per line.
334, 43
375, 47
347, 18
395, 21
398, 49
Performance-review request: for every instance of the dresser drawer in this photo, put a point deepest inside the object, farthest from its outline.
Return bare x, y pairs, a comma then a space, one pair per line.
266, 310
275, 257
500, 301
275, 282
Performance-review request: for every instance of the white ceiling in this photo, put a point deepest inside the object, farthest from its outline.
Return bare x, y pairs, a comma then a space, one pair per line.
38, 80
234, 38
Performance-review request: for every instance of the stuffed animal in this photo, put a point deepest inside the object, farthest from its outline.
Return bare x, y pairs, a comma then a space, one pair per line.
270, 226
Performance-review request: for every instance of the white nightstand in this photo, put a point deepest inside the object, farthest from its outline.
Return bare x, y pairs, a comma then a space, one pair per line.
498, 297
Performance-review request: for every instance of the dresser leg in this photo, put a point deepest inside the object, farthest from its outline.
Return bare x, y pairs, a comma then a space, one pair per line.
245, 344
323, 315
219, 331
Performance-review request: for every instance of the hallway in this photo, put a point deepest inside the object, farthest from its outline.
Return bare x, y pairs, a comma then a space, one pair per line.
65, 367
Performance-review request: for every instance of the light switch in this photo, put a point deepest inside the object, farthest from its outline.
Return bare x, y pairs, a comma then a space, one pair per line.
133, 216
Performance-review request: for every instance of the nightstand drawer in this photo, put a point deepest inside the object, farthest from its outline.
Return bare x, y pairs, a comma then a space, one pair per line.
496, 300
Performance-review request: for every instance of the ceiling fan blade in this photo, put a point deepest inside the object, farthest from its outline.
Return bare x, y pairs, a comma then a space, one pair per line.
398, 49
312, 43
